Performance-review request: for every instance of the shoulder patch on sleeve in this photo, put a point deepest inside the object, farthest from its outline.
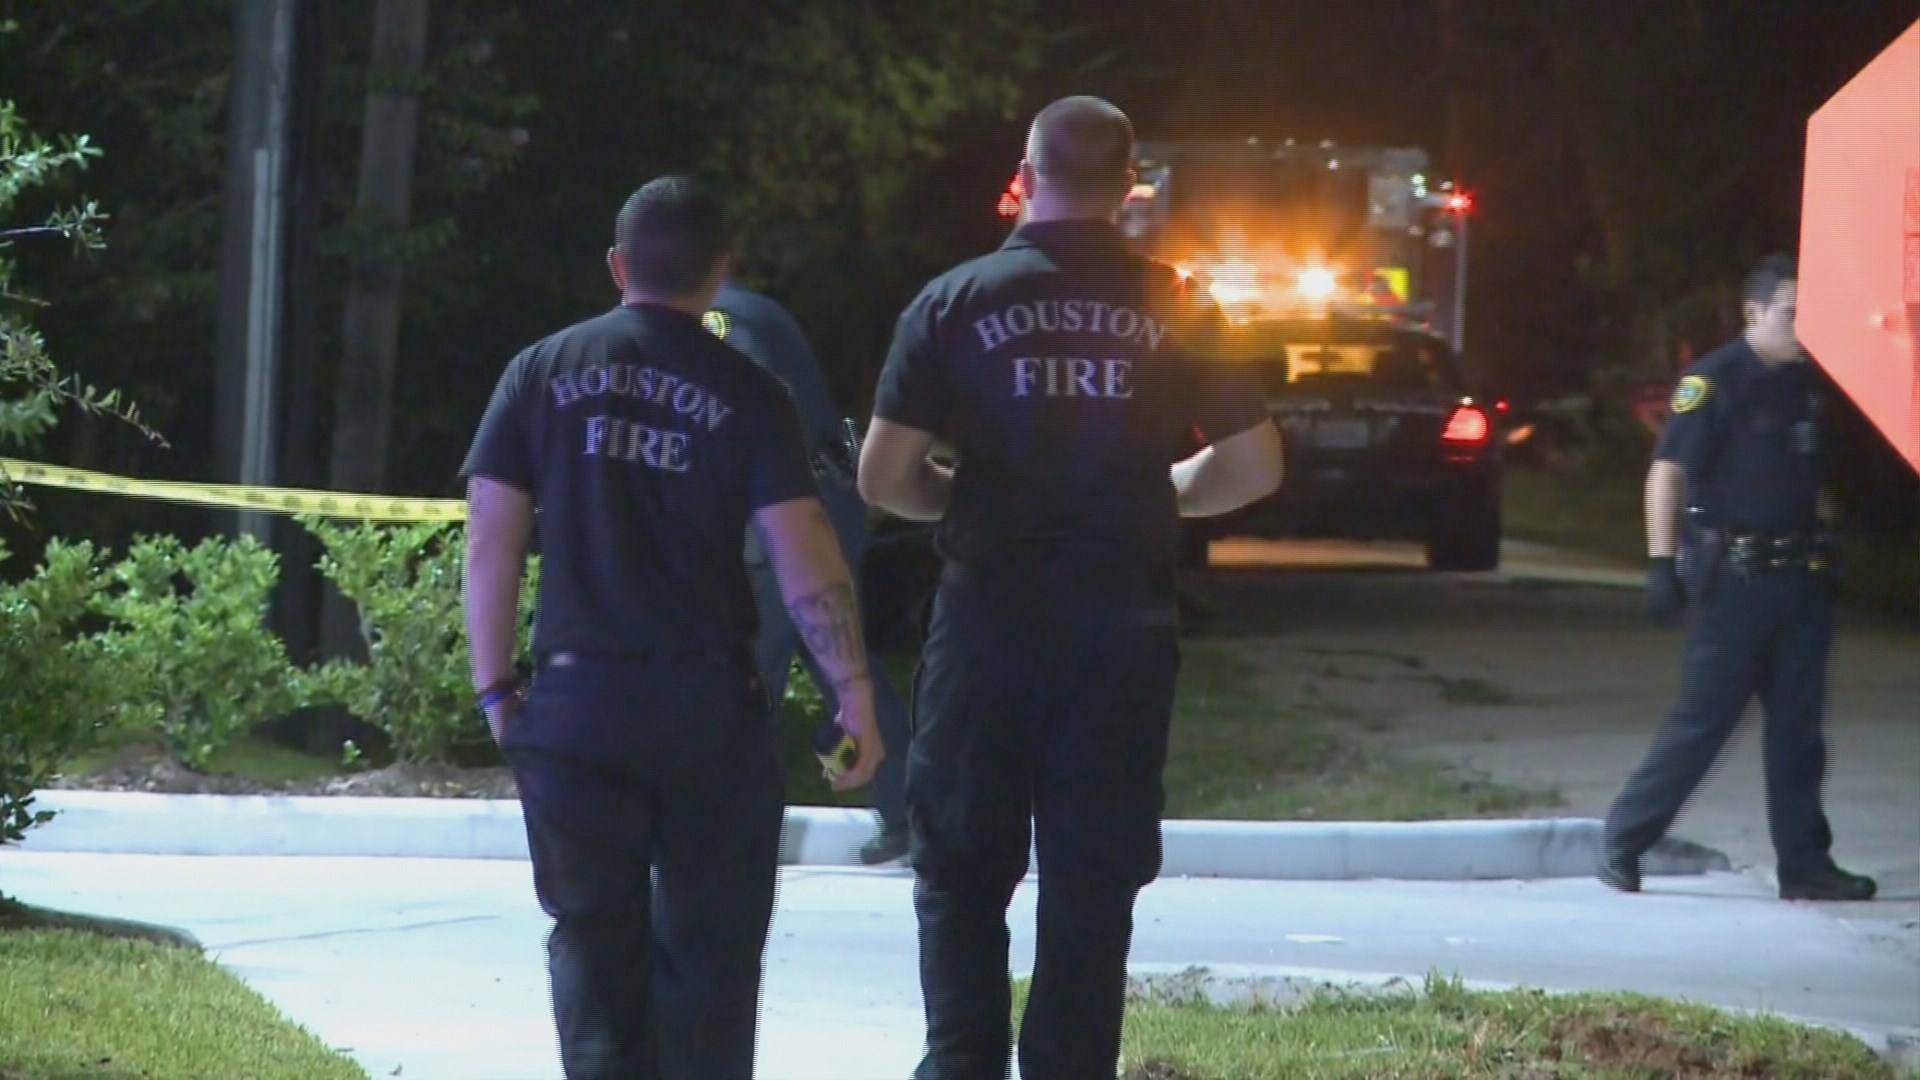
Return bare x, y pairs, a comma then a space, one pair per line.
1692, 393
717, 323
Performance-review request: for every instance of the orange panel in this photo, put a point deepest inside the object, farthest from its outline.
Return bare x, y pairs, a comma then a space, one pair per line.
1860, 242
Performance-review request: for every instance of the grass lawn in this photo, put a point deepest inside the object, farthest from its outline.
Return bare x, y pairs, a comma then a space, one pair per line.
82, 1006
1450, 1032
1604, 515
1237, 755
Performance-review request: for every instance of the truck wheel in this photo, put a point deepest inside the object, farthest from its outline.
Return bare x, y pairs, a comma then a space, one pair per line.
1471, 543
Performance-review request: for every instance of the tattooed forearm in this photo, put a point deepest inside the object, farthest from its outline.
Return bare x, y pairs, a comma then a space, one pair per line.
829, 622
818, 588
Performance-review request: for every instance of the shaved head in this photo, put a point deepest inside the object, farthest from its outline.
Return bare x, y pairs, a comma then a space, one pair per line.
1081, 147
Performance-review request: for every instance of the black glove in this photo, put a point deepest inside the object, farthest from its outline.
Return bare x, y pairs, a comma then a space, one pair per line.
1666, 596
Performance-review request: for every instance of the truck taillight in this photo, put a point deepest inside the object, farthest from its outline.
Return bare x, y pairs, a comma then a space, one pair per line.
1468, 426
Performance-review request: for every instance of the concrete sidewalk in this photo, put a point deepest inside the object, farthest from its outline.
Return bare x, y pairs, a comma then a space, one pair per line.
434, 970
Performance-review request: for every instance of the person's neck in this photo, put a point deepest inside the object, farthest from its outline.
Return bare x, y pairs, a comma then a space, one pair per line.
687, 305
1046, 213
1770, 358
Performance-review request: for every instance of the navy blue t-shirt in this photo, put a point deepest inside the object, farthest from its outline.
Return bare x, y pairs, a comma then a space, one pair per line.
1068, 373
1749, 439
647, 444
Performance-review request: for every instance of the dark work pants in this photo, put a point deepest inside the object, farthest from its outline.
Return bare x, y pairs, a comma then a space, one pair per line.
653, 803
1769, 635
1039, 704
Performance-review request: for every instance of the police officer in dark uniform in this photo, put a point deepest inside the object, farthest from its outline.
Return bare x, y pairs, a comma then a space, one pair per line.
1754, 560
765, 333
644, 752
1066, 373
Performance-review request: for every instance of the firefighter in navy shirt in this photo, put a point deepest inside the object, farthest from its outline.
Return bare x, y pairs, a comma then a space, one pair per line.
1754, 559
644, 752
1067, 374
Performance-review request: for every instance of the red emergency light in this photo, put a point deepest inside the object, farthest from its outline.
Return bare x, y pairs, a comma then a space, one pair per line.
1010, 199
1459, 202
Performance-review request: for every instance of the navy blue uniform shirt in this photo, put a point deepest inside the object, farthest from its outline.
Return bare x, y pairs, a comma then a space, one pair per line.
1068, 373
765, 332
647, 445
1749, 438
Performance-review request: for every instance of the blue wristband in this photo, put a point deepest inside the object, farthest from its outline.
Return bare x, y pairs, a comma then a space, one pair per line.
498, 693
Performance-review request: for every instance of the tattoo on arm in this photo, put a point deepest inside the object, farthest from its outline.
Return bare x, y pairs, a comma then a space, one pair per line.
829, 622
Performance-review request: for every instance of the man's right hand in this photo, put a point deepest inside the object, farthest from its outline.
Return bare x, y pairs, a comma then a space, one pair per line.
1666, 596
858, 719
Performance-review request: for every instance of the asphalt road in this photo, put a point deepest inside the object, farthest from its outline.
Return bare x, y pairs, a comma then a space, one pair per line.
1546, 675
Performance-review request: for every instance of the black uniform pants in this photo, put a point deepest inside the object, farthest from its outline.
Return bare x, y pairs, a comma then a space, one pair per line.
1044, 704
653, 802
1767, 634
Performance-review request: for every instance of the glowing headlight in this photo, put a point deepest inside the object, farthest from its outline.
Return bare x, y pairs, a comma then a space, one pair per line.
1229, 294
1234, 283
1317, 284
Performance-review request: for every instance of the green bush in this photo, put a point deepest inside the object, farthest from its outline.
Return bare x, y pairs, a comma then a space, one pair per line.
189, 647
416, 685
48, 702
53, 705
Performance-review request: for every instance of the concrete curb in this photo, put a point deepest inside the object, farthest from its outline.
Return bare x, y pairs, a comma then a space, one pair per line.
1281, 987
105, 822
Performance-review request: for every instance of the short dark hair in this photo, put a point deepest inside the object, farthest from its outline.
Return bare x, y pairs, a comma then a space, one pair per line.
1081, 146
1765, 279
670, 234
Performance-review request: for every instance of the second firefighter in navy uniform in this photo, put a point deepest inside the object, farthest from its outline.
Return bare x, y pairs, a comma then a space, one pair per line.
1067, 374
1739, 532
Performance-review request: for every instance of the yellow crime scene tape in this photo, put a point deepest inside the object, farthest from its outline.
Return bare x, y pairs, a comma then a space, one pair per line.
332, 504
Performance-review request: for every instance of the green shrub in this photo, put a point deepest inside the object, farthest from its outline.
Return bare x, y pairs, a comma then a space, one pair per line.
52, 704
189, 647
416, 685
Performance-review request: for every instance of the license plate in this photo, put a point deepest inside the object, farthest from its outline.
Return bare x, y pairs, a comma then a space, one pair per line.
1340, 434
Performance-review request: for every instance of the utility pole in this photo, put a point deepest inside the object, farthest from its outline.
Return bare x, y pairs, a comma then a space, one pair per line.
252, 252
302, 391
363, 392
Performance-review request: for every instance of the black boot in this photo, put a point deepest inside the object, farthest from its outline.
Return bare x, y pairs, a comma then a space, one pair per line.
886, 846
1831, 883
1618, 870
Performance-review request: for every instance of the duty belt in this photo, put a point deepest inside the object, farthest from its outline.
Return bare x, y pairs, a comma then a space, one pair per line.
561, 658
1760, 552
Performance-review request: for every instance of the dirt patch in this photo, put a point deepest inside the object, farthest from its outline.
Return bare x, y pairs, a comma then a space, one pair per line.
1641, 1041
150, 771
1158, 1070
